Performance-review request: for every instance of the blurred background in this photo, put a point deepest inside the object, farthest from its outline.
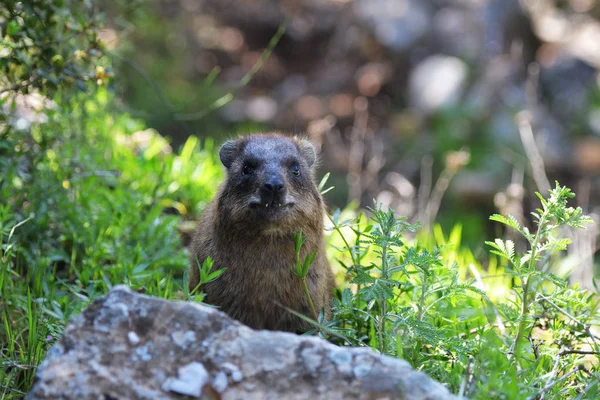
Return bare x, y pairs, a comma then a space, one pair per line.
445, 110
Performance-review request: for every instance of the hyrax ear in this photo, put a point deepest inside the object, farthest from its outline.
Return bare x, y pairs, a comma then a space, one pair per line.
228, 152
308, 152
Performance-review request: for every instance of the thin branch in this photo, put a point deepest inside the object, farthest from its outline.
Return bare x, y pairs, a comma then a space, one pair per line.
440, 187
96, 173
221, 101
572, 318
585, 352
467, 379
13, 390
155, 86
357, 149
550, 385
524, 121
535, 158
554, 371
19, 86
425, 185
14, 364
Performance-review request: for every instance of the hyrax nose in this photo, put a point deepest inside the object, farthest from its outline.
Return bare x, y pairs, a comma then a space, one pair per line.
273, 190
274, 187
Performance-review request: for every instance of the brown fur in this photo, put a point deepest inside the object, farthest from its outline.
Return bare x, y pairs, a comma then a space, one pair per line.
257, 249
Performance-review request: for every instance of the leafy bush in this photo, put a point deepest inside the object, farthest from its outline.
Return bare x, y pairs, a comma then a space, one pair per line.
90, 200
49, 45
410, 301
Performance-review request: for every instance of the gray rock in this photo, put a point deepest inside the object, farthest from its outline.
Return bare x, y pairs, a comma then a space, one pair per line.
96, 358
191, 378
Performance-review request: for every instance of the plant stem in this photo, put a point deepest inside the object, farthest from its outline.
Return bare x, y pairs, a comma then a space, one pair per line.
339, 231
572, 318
384, 275
566, 376
352, 257
422, 299
524, 311
526, 283
310, 302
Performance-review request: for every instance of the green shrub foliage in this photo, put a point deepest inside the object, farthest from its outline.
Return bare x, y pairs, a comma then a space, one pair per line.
90, 199
533, 340
48, 45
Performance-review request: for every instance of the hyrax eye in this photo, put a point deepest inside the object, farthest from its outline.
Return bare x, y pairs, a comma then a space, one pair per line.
247, 170
295, 169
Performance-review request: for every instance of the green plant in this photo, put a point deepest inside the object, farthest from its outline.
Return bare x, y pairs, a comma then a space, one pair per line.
301, 269
532, 267
49, 45
514, 331
90, 199
206, 275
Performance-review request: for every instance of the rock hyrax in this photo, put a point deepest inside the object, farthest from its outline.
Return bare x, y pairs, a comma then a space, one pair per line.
248, 228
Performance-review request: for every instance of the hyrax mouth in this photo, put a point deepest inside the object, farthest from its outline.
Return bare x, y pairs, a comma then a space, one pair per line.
274, 205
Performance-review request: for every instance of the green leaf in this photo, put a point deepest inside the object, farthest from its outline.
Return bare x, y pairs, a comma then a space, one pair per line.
362, 277
561, 283
308, 261
503, 249
12, 28
214, 275
378, 290
336, 216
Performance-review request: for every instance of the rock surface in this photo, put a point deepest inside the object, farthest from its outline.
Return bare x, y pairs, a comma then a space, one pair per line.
130, 346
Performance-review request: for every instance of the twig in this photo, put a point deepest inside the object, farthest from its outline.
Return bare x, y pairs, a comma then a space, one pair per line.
19, 86
535, 158
14, 364
96, 173
433, 206
221, 101
425, 185
467, 379
572, 318
157, 89
524, 119
550, 385
586, 352
357, 149
552, 373
13, 390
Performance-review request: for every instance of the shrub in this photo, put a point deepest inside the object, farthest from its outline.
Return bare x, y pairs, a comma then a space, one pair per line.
49, 45
410, 301
90, 200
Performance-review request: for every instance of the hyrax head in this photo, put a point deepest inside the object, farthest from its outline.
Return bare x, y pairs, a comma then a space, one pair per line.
269, 176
